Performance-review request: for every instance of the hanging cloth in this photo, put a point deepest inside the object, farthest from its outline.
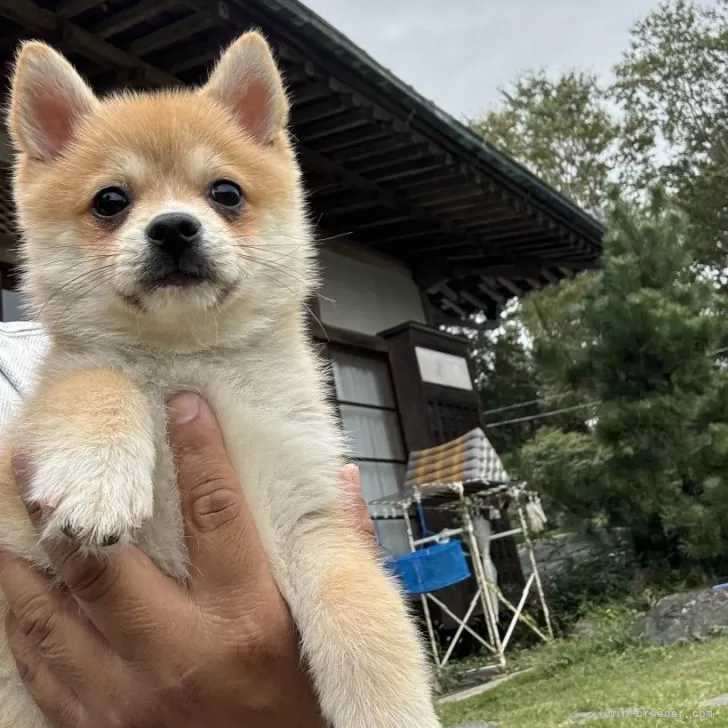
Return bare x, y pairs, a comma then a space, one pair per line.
536, 516
483, 531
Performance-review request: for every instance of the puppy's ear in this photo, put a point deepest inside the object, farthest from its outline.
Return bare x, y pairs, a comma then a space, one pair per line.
48, 100
247, 81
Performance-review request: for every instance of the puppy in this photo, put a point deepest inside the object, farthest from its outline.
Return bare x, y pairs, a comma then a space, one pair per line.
166, 247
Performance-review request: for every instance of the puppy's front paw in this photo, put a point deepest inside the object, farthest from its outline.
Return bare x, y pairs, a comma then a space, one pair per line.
99, 495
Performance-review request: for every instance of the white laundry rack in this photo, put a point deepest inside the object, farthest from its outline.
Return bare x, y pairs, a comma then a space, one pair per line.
466, 497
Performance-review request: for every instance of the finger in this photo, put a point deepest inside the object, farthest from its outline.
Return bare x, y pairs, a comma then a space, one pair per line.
56, 700
54, 627
34, 626
136, 608
351, 480
223, 543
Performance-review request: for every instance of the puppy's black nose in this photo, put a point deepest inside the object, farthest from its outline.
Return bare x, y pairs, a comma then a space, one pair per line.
174, 233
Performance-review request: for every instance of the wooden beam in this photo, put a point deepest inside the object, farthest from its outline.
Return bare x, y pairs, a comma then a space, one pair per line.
491, 293
323, 129
175, 32
510, 286
309, 92
411, 230
491, 215
44, 22
367, 150
447, 179
479, 303
461, 211
446, 291
517, 269
522, 230
135, 14
319, 110
414, 234
435, 271
341, 201
440, 197
374, 163
194, 61
367, 222
198, 52
350, 207
444, 245
447, 303
71, 8
348, 140
401, 173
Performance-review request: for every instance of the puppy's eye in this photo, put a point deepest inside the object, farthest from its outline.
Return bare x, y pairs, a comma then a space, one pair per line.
110, 202
226, 194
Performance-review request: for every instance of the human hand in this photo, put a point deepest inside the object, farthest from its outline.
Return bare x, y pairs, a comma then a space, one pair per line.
133, 648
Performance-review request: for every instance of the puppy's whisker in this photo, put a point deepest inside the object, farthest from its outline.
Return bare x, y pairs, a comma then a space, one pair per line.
67, 284
331, 238
277, 267
85, 292
277, 281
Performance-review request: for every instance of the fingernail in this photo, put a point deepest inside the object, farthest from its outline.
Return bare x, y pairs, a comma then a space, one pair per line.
184, 408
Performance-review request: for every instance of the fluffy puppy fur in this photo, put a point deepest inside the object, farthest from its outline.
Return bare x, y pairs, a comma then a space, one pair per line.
227, 322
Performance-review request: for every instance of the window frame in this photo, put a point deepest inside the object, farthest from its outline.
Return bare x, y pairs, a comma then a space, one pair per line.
374, 355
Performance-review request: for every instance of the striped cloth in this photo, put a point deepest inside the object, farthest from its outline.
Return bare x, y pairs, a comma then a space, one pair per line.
469, 457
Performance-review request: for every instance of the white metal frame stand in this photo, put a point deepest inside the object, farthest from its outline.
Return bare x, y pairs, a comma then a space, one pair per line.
494, 643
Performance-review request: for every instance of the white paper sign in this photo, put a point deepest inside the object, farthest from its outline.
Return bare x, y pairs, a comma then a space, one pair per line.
447, 370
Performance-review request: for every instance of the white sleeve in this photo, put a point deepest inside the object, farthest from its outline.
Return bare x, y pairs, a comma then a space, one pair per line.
22, 346
9, 399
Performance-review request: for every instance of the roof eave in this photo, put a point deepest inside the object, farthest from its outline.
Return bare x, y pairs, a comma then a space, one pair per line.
466, 143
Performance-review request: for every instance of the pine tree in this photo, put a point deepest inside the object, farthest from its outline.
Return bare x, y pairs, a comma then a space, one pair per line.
657, 460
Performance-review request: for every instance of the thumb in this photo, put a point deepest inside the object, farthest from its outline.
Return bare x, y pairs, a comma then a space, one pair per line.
222, 541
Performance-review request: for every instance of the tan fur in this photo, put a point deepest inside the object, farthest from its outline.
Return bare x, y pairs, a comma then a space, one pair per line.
95, 427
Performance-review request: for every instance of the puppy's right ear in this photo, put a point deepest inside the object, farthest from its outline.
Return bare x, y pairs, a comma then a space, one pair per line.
48, 100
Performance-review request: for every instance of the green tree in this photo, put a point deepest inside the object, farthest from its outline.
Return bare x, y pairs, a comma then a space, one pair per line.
506, 376
562, 130
657, 461
671, 87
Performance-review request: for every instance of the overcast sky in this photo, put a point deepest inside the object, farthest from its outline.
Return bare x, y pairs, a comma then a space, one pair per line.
459, 52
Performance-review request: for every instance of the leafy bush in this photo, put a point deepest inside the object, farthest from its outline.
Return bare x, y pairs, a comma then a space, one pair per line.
578, 589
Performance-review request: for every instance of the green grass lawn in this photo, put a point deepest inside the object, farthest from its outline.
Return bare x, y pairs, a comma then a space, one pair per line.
606, 671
